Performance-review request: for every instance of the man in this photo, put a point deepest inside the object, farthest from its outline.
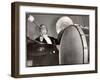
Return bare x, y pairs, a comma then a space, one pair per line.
43, 52
44, 38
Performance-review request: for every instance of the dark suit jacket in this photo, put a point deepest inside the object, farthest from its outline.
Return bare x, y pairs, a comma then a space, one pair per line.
54, 40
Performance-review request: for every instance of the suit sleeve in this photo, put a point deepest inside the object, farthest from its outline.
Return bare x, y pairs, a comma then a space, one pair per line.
54, 41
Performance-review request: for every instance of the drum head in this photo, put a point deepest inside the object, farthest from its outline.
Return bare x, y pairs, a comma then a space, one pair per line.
73, 46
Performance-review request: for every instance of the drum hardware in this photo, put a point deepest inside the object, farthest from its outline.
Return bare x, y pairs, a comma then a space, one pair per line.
85, 28
54, 52
85, 35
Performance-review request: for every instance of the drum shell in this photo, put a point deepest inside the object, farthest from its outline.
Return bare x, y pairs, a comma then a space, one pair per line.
42, 54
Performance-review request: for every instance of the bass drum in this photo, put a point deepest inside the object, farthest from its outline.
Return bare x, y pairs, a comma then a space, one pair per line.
73, 46
41, 54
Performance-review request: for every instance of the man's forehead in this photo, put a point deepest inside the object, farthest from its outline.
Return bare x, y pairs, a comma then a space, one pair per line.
43, 27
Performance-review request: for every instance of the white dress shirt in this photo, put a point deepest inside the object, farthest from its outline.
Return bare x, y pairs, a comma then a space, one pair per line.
48, 40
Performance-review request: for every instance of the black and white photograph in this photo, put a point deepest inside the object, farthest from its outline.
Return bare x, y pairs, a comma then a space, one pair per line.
54, 39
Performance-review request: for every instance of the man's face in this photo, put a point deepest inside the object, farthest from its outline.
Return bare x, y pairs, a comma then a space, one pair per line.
43, 30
